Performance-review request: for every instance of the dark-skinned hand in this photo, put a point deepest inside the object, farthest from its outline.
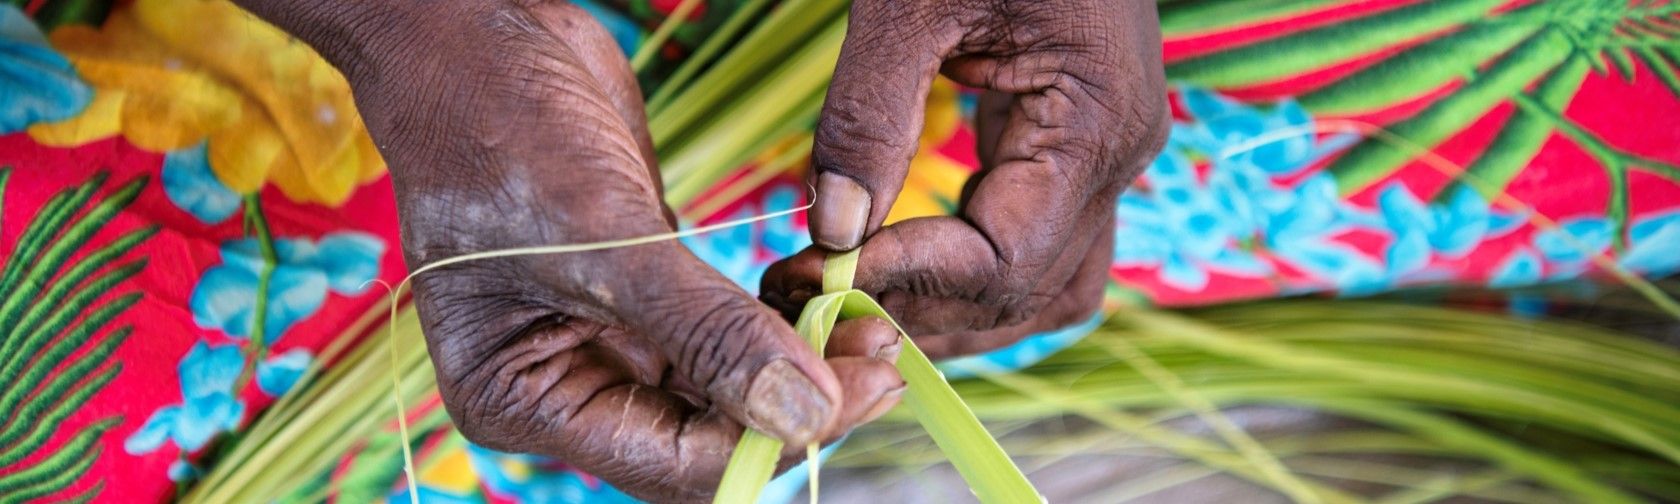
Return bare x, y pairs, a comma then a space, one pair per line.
514, 123
509, 125
1075, 109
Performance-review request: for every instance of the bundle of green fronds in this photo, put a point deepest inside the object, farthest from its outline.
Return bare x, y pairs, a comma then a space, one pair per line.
1546, 410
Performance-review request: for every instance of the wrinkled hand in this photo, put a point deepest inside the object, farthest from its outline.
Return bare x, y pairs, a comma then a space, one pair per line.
509, 126
1076, 109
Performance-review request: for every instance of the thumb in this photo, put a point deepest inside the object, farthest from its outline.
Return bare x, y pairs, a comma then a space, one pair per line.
746, 359
871, 120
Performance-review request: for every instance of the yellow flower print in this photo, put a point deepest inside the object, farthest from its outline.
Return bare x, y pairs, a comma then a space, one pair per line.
272, 110
935, 182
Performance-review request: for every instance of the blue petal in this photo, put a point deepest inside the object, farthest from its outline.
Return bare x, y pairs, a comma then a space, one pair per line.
201, 419
781, 237
16, 27
1134, 246
1409, 252
1575, 240
180, 471
1203, 104
294, 251
350, 260
36, 83
1285, 154
294, 293
1402, 211
1139, 212
1652, 225
1519, 269
1170, 169
1203, 234
1329, 261
1501, 223
1654, 245
277, 375
1461, 224
207, 370
225, 298
151, 434
1182, 275
1237, 262
188, 182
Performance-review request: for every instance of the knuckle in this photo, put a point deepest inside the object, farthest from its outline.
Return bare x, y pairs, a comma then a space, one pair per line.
716, 326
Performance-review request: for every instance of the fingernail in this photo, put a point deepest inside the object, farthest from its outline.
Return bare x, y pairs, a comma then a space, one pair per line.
801, 295
889, 352
884, 404
841, 213
786, 404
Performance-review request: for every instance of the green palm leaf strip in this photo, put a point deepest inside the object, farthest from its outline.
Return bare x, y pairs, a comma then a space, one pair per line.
1419, 69
1524, 134
41, 230
1664, 67
54, 359
1291, 54
989, 472
788, 28
87, 495
56, 471
1370, 161
52, 403
37, 327
61, 248
1334, 357
691, 66
1194, 16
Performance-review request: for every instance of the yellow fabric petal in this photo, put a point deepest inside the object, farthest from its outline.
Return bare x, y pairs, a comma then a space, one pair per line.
307, 99
452, 472
932, 188
243, 154
120, 38
166, 102
161, 123
101, 119
288, 177
942, 116
371, 166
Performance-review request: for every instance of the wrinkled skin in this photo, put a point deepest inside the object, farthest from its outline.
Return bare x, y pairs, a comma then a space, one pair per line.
1076, 108
511, 124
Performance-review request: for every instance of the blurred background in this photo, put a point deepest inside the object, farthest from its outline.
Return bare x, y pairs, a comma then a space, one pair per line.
1394, 251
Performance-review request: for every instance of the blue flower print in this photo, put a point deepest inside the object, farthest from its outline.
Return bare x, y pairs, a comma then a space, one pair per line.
190, 185
736, 252
1225, 128
1189, 227
1237, 215
209, 406
781, 236
1420, 231
729, 250
278, 374
180, 470
36, 83
1654, 244
1575, 240
1520, 268
226, 296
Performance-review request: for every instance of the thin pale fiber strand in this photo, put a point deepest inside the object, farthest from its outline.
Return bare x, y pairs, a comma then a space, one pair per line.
396, 376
